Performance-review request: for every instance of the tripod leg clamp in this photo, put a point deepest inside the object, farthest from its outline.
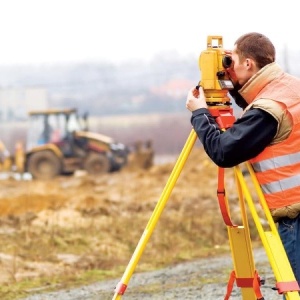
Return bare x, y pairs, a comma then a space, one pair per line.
253, 283
121, 288
288, 286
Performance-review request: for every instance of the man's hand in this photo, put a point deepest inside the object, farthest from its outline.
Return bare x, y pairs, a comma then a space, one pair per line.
196, 99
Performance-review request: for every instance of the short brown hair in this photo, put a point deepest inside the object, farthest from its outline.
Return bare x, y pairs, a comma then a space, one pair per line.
256, 46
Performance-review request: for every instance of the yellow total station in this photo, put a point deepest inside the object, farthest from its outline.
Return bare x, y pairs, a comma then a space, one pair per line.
212, 64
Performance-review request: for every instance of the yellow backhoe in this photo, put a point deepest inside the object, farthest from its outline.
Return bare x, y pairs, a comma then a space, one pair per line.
58, 142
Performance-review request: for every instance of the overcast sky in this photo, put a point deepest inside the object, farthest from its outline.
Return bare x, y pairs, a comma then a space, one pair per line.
49, 31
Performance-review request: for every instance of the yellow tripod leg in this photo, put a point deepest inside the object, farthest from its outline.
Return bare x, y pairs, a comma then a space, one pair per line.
271, 240
242, 253
242, 256
122, 285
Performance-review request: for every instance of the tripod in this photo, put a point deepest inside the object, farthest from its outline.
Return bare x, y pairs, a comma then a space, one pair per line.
215, 83
244, 273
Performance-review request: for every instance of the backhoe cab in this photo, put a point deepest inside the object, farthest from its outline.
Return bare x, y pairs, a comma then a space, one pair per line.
58, 143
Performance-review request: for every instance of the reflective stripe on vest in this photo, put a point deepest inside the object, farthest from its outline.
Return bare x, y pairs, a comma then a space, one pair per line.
281, 185
276, 162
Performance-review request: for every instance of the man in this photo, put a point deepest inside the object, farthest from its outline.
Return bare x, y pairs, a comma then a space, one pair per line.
267, 134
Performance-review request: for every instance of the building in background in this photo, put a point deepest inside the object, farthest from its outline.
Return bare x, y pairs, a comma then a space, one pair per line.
16, 102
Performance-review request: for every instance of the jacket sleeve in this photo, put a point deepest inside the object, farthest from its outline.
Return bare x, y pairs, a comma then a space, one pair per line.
247, 137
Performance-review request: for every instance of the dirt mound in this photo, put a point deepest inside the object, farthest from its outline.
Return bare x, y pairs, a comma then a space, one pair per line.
74, 224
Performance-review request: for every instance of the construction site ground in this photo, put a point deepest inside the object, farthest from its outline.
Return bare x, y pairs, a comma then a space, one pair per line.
204, 278
80, 230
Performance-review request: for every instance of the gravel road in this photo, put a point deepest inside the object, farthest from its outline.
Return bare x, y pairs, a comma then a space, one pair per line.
202, 279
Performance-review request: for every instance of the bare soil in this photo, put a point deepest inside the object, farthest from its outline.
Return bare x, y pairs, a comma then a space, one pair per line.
79, 229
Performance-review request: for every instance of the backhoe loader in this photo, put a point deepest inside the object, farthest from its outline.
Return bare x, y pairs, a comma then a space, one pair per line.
58, 142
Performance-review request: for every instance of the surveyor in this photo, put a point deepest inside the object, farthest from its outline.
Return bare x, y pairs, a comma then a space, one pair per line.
267, 134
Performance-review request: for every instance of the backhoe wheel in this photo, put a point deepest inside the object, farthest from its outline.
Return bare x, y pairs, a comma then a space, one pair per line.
96, 163
44, 165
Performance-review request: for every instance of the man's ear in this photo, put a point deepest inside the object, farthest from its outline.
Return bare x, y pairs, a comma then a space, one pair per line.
250, 63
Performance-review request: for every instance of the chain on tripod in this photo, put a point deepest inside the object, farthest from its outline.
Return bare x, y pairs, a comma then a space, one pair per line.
215, 81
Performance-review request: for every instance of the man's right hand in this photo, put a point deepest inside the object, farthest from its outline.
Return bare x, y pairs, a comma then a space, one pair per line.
196, 99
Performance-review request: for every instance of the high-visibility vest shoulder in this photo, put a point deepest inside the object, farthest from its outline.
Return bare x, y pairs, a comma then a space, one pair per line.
277, 167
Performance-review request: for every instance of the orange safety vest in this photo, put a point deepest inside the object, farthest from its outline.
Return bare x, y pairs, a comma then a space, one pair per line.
277, 167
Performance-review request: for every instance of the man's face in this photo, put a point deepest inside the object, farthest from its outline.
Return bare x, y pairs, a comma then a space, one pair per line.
240, 68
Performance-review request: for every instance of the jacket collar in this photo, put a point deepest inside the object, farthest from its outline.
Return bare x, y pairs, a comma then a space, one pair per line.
259, 80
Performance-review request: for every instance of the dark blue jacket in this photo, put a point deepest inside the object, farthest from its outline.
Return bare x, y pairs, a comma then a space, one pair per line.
247, 137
